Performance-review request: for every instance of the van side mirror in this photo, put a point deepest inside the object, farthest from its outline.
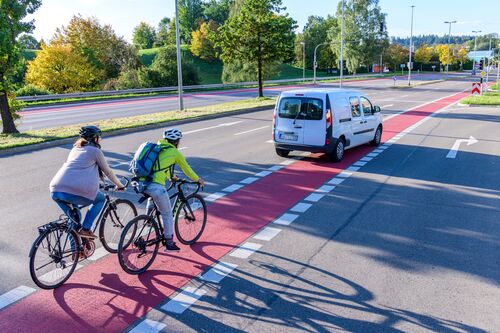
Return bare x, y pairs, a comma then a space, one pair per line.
376, 109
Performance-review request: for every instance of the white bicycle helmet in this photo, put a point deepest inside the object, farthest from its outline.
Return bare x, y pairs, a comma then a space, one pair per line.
172, 134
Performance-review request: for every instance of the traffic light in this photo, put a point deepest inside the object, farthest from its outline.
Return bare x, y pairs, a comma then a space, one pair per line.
381, 26
481, 62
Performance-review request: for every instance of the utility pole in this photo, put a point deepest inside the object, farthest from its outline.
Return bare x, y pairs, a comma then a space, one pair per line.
303, 60
449, 35
475, 46
179, 60
488, 68
411, 47
342, 46
315, 64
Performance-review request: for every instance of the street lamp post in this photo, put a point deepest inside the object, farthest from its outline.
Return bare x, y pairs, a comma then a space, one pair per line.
411, 46
179, 60
315, 64
303, 60
475, 45
342, 46
449, 35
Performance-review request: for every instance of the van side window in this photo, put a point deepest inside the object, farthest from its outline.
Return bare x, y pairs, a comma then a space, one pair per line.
314, 109
355, 109
367, 106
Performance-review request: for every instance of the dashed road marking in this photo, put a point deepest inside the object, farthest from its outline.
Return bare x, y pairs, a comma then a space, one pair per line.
98, 254
301, 207
183, 300
335, 181
374, 154
286, 219
314, 197
325, 189
276, 167
246, 250
148, 326
345, 174
215, 196
249, 180
252, 130
360, 164
353, 168
263, 173
267, 234
232, 188
14, 295
366, 159
288, 162
218, 272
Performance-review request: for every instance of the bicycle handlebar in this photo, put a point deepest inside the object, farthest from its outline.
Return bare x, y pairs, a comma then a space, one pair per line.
112, 187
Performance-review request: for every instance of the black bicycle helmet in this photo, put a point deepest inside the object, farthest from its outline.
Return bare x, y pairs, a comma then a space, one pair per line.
90, 132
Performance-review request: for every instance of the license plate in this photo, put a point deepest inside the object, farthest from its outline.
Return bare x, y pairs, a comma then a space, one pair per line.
289, 137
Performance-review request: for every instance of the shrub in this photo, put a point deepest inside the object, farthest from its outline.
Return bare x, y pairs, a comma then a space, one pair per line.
32, 90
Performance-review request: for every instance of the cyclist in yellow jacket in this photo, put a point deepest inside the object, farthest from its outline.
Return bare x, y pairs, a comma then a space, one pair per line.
168, 157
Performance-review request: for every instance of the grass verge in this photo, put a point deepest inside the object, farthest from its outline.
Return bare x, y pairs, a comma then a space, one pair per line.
416, 84
108, 125
489, 98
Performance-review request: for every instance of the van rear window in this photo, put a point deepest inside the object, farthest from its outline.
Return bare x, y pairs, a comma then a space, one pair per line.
310, 108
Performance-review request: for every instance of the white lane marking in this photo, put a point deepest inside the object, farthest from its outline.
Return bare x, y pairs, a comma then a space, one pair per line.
360, 164
353, 168
344, 174
118, 164
182, 148
263, 173
276, 167
366, 159
246, 250
249, 180
218, 272
148, 326
454, 150
267, 234
314, 197
387, 106
286, 219
184, 300
378, 151
325, 189
212, 127
56, 274
336, 181
374, 154
301, 207
384, 146
403, 96
270, 141
98, 254
14, 295
252, 130
215, 196
232, 188
288, 162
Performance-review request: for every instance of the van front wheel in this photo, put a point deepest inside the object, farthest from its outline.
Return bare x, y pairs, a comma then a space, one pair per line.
338, 152
377, 138
282, 152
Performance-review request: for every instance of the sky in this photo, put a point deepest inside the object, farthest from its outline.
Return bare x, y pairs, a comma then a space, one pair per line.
429, 15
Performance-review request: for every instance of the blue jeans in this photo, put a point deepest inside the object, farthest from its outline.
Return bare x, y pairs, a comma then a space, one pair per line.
96, 206
161, 198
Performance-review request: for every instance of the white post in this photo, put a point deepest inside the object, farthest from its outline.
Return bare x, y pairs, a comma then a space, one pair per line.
449, 35
475, 45
179, 60
342, 46
303, 61
411, 46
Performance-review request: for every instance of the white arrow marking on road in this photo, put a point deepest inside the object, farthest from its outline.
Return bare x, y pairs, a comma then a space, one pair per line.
454, 150
212, 127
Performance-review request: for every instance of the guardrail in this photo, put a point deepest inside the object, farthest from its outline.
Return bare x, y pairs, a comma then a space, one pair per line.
166, 89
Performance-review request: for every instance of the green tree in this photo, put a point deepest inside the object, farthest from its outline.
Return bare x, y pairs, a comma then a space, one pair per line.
203, 41
28, 42
423, 54
161, 38
144, 36
446, 56
190, 16
364, 38
462, 56
217, 10
164, 69
238, 71
12, 14
396, 55
258, 34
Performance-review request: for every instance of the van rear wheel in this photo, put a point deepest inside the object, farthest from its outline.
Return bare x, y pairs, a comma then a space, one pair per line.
338, 152
282, 152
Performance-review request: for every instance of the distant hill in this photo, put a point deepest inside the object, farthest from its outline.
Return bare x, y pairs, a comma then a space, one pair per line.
431, 40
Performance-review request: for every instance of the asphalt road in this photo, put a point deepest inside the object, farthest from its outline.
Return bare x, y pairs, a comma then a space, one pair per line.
410, 242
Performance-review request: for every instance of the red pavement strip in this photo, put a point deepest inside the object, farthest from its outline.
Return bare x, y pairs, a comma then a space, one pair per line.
103, 298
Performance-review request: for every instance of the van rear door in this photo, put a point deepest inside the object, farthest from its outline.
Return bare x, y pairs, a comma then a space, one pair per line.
315, 123
290, 121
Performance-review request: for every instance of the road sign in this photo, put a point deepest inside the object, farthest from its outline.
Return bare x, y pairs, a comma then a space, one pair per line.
476, 88
483, 73
402, 65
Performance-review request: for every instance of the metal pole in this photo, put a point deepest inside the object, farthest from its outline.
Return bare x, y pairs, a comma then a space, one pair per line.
475, 45
342, 46
411, 46
449, 36
488, 68
179, 60
303, 61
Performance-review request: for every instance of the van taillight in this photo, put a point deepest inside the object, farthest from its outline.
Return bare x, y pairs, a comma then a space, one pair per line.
329, 120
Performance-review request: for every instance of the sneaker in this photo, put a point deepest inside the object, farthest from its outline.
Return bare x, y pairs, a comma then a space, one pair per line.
86, 234
172, 247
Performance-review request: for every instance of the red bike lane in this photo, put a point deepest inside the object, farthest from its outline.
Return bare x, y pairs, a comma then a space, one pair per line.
102, 298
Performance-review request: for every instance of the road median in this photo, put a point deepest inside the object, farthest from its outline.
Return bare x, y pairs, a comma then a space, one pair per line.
44, 138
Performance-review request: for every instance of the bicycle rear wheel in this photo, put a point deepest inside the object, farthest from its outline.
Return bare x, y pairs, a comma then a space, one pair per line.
117, 215
190, 219
54, 256
139, 244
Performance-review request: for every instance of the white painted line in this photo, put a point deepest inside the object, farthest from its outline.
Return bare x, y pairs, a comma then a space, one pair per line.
378, 151
212, 127
454, 150
57, 274
288, 162
252, 130
148, 326
374, 154
403, 96
286, 219
14, 295
249, 180
267, 234
384, 146
314, 197
276, 167
344, 174
118, 164
336, 181
270, 141
366, 159
218, 272
98, 254
387, 106
263, 173
360, 164
301, 207
352, 168
246, 250
325, 189
215, 196
232, 188
183, 148
183, 300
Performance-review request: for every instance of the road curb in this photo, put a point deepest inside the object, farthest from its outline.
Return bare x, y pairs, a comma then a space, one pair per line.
61, 142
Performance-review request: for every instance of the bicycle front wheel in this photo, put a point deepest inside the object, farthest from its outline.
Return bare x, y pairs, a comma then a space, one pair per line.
117, 215
139, 244
54, 256
190, 219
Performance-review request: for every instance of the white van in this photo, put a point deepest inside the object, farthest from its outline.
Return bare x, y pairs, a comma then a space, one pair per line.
324, 120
